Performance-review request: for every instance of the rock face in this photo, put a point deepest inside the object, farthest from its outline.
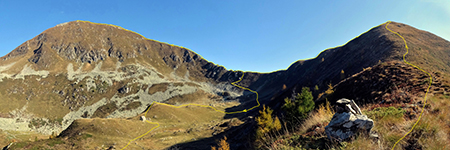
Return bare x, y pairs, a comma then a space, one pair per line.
347, 121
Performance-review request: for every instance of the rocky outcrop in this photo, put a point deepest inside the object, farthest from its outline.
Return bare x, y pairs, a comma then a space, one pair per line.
37, 55
214, 71
124, 90
348, 121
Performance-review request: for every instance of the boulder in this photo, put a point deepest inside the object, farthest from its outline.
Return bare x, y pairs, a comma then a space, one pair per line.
347, 121
7, 146
143, 118
124, 90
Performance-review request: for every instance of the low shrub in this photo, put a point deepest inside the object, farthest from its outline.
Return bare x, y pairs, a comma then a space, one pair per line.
266, 123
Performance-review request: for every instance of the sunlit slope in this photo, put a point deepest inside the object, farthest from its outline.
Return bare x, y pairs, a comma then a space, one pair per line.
177, 125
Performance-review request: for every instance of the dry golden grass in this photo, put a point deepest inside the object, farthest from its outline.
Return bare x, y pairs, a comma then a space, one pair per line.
363, 143
177, 125
323, 114
198, 97
88, 67
435, 125
7, 137
109, 64
13, 96
432, 132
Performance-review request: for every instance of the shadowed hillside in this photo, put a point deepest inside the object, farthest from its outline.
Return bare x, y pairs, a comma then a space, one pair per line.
376, 46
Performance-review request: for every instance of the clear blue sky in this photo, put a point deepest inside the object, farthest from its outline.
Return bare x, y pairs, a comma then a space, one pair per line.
250, 35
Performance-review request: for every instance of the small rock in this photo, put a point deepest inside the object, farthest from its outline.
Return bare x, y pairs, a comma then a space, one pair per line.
124, 90
374, 135
142, 118
112, 147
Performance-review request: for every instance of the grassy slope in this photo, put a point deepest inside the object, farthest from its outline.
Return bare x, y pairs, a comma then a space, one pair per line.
432, 132
177, 125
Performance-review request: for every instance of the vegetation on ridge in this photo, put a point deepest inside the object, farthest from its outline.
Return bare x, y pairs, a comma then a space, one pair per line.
393, 115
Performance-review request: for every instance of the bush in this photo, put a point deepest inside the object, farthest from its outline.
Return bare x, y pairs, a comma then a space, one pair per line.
299, 107
223, 145
330, 90
267, 123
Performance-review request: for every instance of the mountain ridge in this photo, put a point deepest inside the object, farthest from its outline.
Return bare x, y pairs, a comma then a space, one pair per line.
82, 70
106, 49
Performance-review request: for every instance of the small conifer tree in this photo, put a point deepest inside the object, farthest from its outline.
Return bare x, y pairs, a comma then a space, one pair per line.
300, 107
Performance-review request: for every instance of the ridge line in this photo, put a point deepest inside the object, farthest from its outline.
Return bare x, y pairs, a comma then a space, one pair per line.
429, 85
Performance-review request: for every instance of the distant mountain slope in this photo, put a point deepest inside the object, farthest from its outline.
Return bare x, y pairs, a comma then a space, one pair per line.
375, 46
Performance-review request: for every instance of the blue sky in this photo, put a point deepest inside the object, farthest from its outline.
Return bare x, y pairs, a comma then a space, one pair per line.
253, 35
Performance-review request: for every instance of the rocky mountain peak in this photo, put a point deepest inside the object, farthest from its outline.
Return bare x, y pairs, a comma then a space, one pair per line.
89, 42
86, 42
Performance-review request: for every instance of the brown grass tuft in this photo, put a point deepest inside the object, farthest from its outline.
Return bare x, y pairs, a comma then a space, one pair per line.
322, 115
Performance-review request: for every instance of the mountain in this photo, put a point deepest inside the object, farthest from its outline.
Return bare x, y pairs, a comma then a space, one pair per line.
81, 70
81, 74
373, 47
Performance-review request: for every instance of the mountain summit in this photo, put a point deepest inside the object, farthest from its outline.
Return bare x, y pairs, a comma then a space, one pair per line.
373, 47
78, 73
83, 70
81, 42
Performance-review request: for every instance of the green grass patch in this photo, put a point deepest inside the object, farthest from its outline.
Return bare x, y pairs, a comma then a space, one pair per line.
392, 138
20, 145
37, 123
381, 113
39, 148
54, 142
85, 136
56, 121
